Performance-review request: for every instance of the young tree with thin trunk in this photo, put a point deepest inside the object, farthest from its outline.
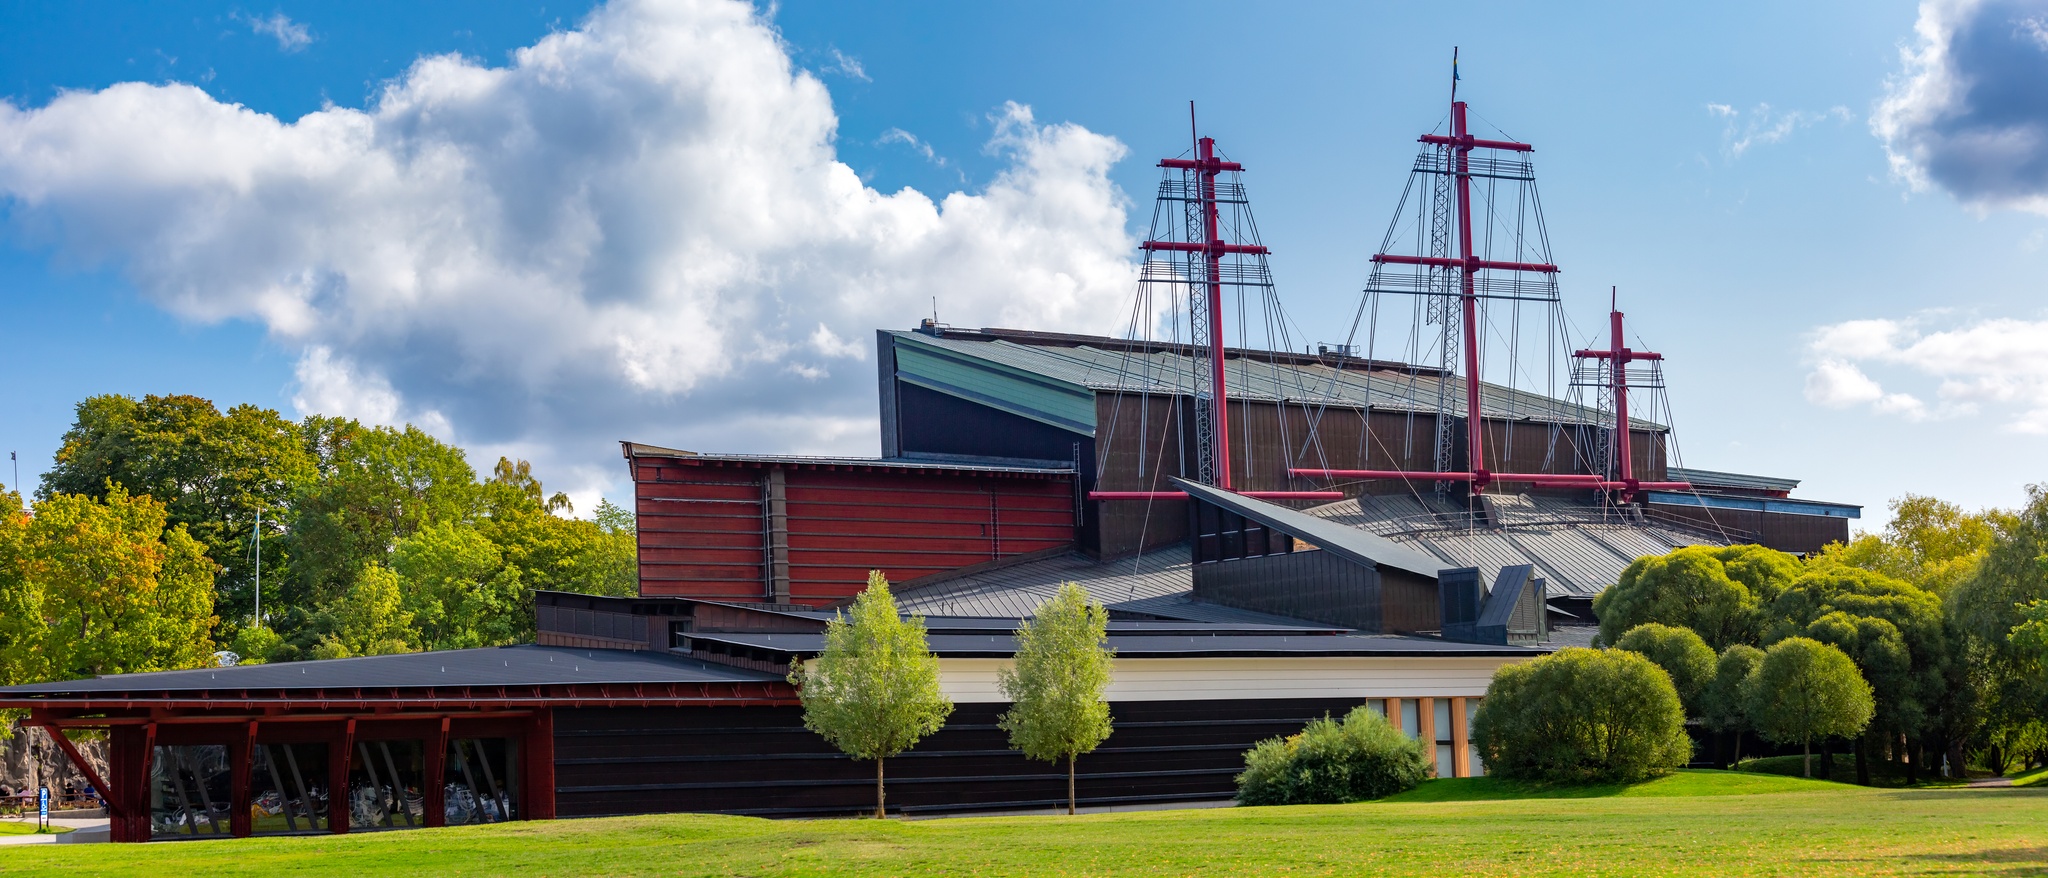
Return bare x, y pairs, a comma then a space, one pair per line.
1055, 686
1721, 702
874, 690
1804, 689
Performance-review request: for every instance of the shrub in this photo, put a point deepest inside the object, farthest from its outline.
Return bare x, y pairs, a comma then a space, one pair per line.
1680, 652
1361, 757
1582, 716
1804, 689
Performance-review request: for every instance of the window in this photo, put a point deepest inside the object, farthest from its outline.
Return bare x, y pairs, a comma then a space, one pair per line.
1411, 718
1472, 713
189, 791
1446, 765
288, 788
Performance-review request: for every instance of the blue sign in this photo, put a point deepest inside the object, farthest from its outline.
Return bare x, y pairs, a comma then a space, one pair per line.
43, 803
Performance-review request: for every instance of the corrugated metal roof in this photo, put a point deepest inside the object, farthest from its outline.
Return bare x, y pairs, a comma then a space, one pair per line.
1016, 591
1361, 546
1143, 645
1707, 478
1166, 372
1580, 548
525, 665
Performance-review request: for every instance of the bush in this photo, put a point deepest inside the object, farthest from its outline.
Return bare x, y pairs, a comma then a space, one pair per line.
1680, 652
1330, 762
1582, 716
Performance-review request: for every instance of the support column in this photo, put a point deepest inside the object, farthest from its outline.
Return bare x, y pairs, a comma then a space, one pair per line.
337, 777
1461, 752
241, 756
1425, 716
436, 766
537, 799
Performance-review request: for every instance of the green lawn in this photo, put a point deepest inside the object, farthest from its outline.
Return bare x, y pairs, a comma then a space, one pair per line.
1692, 824
11, 827
2031, 778
1882, 773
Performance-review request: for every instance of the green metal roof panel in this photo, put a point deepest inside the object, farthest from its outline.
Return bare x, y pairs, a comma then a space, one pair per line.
1113, 371
1031, 394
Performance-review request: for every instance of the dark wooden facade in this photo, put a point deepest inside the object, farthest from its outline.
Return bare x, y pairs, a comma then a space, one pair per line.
1786, 532
809, 532
762, 761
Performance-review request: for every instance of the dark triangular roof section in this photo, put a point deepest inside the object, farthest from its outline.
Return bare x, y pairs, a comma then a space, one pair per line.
1351, 543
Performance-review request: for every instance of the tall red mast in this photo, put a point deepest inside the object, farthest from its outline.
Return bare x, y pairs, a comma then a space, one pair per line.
1618, 356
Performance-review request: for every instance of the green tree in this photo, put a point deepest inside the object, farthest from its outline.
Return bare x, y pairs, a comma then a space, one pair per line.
2030, 636
1362, 757
1055, 685
213, 472
1893, 631
1582, 716
1680, 652
1722, 707
98, 587
874, 689
1715, 591
370, 619
459, 591
375, 487
1930, 543
1805, 689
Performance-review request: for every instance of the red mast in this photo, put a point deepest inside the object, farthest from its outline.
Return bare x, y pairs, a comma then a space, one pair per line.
1212, 247
1618, 356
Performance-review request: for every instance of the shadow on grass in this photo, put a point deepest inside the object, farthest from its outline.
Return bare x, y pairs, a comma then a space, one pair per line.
2005, 861
1978, 793
1688, 783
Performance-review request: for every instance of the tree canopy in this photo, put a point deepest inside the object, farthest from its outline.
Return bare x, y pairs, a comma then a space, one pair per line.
1056, 682
1680, 652
1803, 690
1717, 591
873, 691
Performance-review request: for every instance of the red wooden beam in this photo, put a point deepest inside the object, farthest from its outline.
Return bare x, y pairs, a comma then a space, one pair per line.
84, 767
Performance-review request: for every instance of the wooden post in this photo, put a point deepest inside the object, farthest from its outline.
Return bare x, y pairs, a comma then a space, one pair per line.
337, 777
537, 799
1461, 752
241, 759
437, 768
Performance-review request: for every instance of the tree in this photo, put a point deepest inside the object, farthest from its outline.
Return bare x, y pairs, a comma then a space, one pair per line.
459, 591
1582, 716
1362, 757
2030, 636
375, 486
1055, 685
1715, 591
1893, 631
370, 619
96, 587
213, 472
874, 689
1680, 652
1722, 708
1930, 543
1805, 689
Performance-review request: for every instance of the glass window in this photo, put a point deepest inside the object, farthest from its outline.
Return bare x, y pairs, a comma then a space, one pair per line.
190, 791
1472, 713
385, 786
480, 780
1444, 766
1443, 720
288, 788
1379, 705
1411, 718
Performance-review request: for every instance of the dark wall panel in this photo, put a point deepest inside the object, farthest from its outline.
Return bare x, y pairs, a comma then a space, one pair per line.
939, 423
761, 760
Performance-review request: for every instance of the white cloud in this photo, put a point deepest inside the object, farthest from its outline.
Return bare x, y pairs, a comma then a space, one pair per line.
1764, 125
848, 66
1965, 112
290, 35
898, 135
1997, 364
636, 229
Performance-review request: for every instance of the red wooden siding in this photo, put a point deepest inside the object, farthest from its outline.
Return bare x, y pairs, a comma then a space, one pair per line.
704, 525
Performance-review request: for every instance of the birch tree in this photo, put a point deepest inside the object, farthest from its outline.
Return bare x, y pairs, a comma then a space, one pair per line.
874, 690
1055, 685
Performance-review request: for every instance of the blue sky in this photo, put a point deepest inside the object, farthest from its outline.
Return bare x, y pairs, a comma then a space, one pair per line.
1840, 261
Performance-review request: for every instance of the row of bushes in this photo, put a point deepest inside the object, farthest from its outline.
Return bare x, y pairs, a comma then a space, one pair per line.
1575, 716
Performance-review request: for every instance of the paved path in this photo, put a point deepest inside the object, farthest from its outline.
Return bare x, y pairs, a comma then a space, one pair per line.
84, 830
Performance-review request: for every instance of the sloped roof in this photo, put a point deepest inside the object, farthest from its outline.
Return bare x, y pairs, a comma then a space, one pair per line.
1065, 371
525, 665
1360, 546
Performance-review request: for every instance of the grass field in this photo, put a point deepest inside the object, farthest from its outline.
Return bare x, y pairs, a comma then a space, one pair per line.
1691, 824
11, 827
2026, 779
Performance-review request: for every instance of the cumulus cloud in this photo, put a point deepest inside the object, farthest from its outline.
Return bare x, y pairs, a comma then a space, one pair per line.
1966, 113
290, 35
635, 229
1763, 125
1997, 365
